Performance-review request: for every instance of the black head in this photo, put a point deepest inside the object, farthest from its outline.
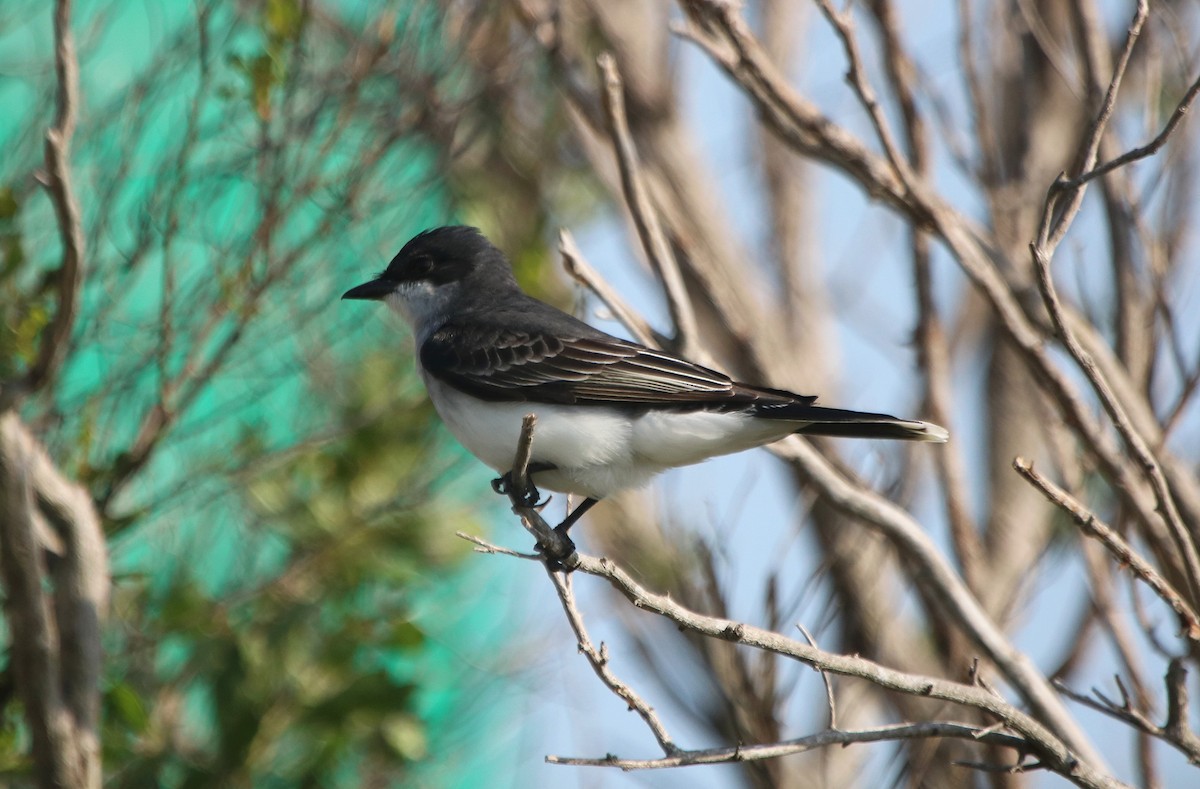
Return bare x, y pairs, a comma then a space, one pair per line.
437, 257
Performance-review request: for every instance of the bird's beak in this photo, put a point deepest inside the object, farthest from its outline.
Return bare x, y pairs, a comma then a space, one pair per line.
374, 290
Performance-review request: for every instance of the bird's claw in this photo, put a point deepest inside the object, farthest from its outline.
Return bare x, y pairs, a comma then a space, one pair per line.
531, 497
560, 553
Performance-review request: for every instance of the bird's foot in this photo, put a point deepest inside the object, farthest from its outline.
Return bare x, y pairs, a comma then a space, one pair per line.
559, 550
530, 497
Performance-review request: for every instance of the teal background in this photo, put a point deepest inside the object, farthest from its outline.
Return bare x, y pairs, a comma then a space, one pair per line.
299, 436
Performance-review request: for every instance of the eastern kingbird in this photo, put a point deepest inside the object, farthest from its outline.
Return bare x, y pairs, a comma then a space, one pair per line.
611, 413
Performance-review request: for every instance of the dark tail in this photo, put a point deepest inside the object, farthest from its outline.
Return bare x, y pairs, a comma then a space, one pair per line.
822, 421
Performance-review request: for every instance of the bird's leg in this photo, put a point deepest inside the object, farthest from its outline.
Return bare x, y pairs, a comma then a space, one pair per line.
530, 497
575, 515
559, 553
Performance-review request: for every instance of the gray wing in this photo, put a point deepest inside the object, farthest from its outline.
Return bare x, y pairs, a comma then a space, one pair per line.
498, 364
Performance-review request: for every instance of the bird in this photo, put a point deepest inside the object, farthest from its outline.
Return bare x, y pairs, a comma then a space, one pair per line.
611, 413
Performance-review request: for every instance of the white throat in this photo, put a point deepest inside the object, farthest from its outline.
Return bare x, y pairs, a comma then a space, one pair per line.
423, 305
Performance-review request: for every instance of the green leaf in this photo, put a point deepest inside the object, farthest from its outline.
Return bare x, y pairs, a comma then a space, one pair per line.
127, 705
371, 693
405, 735
406, 635
283, 19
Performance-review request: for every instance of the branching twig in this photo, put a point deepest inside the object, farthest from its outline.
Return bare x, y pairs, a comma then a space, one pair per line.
598, 659
56, 657
934, 351
747, 753
1149, 149
54, 342
1056, 217
1116, 545
906, 534
718, 28
1120, 418
843, 25
581, 271
1031, 736
1175, 731
645, 217
1057, 756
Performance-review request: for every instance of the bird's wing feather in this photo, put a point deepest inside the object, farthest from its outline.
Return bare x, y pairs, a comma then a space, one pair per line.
500, 364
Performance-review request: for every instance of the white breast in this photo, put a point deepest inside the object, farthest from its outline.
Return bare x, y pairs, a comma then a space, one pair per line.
596, 450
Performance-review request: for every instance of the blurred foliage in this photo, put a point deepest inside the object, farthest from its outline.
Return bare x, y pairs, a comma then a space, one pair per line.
278, 493
306, 676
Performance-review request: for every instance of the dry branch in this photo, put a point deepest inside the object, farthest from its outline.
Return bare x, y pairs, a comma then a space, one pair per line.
1029, 736
1116, 545
823, 739
57, 655
645, 216
55, 339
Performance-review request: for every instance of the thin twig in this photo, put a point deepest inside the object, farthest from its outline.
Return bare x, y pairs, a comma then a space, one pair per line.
645, 217
1149, 149
933, 349
1120, 418
598, 659
1175, 731
577, 266
1040, 740
843, 25
719, 29
55, 340
1116, 545
824, 678
483, 546
1030, 735
1177, 728
915, 545
824, 739
521, 493
520, 466
1056, 217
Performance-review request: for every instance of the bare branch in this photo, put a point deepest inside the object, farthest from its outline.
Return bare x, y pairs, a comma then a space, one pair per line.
1175, 731
582, 272
483, 546
55, 339
1056, 755
824, 739
645, 217
1120, 550
844, 26
523, 497
520, 466
598, 659
57, 656
1149, 149
829, 698
915, 545
1031, 736
1057, 218
719, 29
930, 335
1117, 412
35, 654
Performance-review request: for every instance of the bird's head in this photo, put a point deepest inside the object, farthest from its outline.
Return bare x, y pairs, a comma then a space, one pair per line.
437, 273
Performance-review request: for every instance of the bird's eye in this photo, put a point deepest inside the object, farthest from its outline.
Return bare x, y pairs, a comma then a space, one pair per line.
421, 265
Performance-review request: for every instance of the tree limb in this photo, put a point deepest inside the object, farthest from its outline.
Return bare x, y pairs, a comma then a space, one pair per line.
69, 282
